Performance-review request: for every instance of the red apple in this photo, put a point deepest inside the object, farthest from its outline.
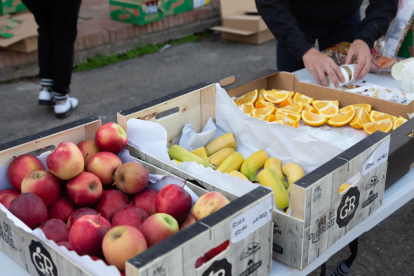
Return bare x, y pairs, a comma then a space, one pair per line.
103, 165
55, 230
61, 209
158, 227
208, 204
7, 195
87, 233
217, 250
175, 201
65, 244
146, 200
84, 189
121, 243
66, 161
131, 178
42, 184
129, 215
21, 166
30, 209
111, 137
80, 213
187, 222
200, 262
88, 149
110, 202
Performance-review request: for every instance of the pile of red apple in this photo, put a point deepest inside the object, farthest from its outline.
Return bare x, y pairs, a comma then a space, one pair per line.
93, 204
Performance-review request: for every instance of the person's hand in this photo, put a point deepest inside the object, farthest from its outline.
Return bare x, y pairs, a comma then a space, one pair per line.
320, 65
360, 49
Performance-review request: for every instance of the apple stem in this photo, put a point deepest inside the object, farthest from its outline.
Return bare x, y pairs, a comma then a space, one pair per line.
114, 184
46, 149
185, 181
99, 217
10, 195
132, 202
86, 156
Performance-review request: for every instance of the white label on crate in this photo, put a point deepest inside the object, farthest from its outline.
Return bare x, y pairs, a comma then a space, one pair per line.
251, 220
379, 156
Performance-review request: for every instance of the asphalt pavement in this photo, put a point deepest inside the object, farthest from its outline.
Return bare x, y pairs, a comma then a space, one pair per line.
385, 250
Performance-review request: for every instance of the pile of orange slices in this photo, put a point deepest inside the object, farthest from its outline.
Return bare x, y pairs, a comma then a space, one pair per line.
288, 108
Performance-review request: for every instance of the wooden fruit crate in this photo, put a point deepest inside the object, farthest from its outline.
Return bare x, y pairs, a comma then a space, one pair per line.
320, 216
174, 256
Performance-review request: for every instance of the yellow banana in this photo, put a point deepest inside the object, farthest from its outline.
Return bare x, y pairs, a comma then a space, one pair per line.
268, 178
238, 174
232, 163
343, 187
181, 154
178, 162
275, 164
201, 152
218, 158
288, 190
287, 211
293, 172
222, 142
253, 163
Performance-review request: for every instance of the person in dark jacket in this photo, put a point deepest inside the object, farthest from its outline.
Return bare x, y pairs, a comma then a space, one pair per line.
57, 21
297, 24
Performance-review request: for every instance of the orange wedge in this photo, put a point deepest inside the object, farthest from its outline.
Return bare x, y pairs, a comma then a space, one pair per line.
320, 104
344, 116
293, 115
313, 119
368, 107
272, 118
299, 98
286, 102
250, 97
293, 107
287, 121
384, 126
399, 122
329, 110
310, 108
261, 104
276, 96
292, 94
376, 116
361, 118
262, 117
247, 108
264, 111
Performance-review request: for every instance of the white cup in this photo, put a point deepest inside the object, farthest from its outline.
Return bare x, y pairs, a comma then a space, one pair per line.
346, 77
396, 70
407, 79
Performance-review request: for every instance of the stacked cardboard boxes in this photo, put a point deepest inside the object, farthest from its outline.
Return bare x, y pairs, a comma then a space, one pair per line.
18, 33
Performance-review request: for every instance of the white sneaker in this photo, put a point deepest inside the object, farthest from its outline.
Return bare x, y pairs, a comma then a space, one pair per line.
65, 106
46, 96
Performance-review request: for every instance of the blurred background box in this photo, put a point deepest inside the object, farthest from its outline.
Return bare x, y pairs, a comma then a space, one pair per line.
11, 6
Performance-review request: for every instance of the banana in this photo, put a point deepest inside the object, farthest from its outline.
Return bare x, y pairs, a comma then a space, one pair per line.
238, 174
293, 172
218, 158
253, 163
288, 190
181, 154
287, 211
201, 152
343, 187
222, 142
232, 163
268, 177
275, 164
178, 162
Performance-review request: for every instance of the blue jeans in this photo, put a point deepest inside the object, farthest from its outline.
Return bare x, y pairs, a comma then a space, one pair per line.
328, 36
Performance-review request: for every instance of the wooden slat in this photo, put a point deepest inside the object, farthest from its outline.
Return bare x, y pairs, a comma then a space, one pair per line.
207, 104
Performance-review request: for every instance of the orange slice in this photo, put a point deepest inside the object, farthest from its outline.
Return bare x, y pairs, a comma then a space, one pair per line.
344, 116
293, 107
329, 110
276, 96
286, 102
287, 121
299, 98
315, 103
264, 111
376, 116
310, 108
313, 119
272, 118
368, 107
384, 126
250, 97
399, 122
361, 118
289, 114
247, 108
292, 94
262, 104
262, 117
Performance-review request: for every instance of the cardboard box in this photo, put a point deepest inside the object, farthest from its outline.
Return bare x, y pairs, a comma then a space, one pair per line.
23, 34
170, 7
174, 256
135, 12
242, 22
316, 222
11, 6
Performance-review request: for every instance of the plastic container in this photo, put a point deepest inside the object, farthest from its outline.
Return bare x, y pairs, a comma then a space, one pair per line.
407, 79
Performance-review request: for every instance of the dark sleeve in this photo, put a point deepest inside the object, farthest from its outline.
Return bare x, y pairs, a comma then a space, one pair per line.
379, 14
284, 26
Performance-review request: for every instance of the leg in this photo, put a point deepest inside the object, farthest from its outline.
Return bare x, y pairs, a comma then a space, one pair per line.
285, 60
64, 20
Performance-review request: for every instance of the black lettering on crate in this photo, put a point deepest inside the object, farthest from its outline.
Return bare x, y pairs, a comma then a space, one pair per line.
276, 228
251, 267
277, 249
159, 271
324, 223
348, 206
372, 182
370, 199
250, 249
6, 235
42, 260
219, 268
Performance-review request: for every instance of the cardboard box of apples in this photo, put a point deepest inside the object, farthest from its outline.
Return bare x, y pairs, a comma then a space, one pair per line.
97, 207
